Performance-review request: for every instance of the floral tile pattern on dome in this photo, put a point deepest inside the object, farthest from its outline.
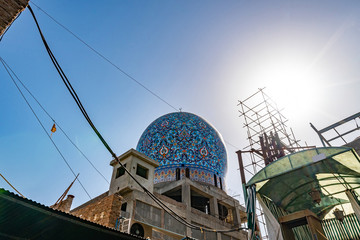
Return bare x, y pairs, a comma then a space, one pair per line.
179, 139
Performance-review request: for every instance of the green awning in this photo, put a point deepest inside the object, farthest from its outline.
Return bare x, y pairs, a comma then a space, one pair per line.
288, 181
22, 219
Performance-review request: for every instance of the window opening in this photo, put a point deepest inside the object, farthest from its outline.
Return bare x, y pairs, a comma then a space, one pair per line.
200, 202
142, 171
187, 172
177, 174
120, 171
123, 207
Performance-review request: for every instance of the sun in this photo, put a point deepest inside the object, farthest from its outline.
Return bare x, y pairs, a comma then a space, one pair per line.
292, 85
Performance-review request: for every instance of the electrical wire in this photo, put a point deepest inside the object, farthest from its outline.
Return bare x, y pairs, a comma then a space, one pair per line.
235, 147
113, 64
62, 156
57, 124
83, 111
106, 59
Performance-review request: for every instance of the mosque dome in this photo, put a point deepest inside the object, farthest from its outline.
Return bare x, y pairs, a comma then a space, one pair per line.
185, 145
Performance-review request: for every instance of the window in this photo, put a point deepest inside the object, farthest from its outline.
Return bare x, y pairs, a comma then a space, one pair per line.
120, 171
215, 180
221, 187
177, 174
123, 207
187, 172
142, 171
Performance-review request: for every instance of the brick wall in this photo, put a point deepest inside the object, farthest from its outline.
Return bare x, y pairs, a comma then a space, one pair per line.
104, 211
9, 9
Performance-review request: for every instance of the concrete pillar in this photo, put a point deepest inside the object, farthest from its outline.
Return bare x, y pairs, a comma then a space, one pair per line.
130, 208
214, 210
186, 195
186, 199
236, 214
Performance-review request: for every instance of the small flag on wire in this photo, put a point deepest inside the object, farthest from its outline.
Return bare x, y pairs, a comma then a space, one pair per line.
53, 129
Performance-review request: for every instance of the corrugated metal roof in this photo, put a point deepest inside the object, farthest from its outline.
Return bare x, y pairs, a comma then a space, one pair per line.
9, 9
22, 218
290, 180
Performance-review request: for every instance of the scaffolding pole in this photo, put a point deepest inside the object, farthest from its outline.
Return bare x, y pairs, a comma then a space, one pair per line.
269, 138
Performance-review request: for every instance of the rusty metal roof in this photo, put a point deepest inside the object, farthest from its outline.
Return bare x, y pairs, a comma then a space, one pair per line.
9, 9
22, 218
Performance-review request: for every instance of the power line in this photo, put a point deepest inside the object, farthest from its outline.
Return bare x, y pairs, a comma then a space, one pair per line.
83, 111
62, 156
106, 59
228, 143
11, 185
113, 64
57, 124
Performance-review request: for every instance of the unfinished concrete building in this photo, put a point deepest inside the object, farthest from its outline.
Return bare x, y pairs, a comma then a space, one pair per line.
181, 159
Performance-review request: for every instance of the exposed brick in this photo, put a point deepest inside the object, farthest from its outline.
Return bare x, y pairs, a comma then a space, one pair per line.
104, 211
64, 205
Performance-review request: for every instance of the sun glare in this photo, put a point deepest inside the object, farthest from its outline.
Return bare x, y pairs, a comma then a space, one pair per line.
292, 85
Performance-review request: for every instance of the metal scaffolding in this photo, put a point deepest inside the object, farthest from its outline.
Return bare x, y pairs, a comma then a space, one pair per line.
269, 139
343, 130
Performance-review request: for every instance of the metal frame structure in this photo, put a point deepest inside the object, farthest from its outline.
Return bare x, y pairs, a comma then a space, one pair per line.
269, 139
339, 135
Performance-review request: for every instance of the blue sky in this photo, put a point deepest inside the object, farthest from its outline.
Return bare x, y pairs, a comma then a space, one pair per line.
201, 56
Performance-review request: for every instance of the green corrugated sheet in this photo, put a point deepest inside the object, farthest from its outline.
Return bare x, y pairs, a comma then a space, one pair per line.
301, 233
25, 219
288, 181
349, 228
285, 184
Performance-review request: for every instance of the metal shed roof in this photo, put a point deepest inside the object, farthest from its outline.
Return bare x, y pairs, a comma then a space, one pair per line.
288, 181
21, 218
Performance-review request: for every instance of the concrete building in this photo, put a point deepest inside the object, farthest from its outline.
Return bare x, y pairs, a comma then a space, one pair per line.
181, 159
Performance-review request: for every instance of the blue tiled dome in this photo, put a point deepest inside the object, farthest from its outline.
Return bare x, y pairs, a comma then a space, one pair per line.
185, 144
